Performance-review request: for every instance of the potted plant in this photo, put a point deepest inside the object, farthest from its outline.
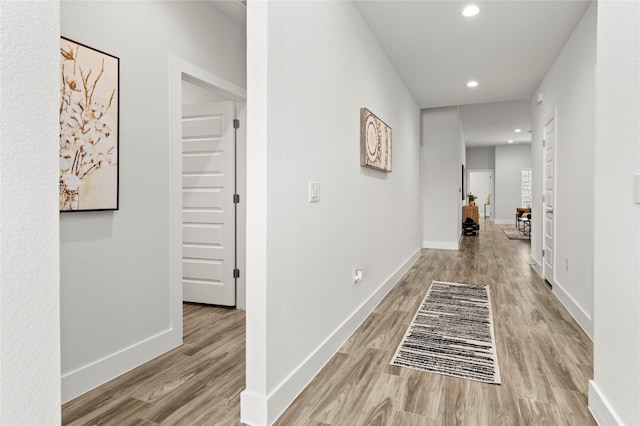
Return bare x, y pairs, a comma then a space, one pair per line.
471, 198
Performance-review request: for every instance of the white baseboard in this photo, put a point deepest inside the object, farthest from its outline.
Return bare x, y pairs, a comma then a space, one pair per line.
441, 245
256, 408
537, 265
600, 408
92, 375
583, 319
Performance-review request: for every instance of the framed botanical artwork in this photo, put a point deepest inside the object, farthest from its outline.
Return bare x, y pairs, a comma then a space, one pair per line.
89, 119
375, 142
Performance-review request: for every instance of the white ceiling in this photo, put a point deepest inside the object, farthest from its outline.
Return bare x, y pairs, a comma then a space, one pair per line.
495, 123
508, 48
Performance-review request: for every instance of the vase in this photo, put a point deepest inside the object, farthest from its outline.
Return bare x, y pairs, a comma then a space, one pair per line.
69, 193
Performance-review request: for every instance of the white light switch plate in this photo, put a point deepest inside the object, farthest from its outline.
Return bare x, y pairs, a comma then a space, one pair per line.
314, 192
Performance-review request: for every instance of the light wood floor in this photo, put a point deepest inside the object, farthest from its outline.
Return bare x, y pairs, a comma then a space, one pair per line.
545, 361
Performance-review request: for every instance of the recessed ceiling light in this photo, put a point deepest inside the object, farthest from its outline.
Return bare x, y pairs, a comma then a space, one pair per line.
471, 10
517, 130
510, 141
472, 84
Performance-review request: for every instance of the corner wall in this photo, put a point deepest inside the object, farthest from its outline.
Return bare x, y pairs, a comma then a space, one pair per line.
442, 156
29, 237
569, 92
116, 291
614, 390
313, 65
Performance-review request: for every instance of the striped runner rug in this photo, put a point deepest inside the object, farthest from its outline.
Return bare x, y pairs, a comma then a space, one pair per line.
514, 234
452, 334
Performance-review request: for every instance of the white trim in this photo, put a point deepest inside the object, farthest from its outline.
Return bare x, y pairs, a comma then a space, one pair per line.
583, 319
600, 407
551, 117
85, 378
537, 266
179, 70
274, 404
202, 76
254, 408
442, 245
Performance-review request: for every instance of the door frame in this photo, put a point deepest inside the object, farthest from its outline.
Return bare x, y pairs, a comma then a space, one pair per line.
493, 189
553, 116
179, 69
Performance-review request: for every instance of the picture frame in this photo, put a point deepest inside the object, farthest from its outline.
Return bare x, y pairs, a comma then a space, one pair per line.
89, 128
375, 142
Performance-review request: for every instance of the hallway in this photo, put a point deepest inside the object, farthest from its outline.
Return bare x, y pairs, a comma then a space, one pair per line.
545, 360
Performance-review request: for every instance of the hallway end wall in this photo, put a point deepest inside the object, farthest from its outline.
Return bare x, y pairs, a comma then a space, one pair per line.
510, 160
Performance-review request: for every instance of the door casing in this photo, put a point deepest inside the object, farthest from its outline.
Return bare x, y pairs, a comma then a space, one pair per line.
180, 69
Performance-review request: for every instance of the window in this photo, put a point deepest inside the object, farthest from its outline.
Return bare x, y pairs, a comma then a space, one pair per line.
526, 188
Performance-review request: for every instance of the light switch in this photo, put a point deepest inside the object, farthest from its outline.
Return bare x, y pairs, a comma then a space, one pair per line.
314, 192
636, 185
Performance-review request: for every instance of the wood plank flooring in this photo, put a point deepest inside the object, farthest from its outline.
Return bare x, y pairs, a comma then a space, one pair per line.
545, 361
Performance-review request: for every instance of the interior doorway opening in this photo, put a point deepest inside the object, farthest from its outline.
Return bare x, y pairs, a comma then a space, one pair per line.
190, 85
481, 185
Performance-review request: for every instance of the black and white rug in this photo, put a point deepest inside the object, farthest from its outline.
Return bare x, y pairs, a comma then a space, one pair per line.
452, 334
514, 234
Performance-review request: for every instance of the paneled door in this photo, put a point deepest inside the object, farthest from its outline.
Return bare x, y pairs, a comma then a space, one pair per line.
208, 215
548, 244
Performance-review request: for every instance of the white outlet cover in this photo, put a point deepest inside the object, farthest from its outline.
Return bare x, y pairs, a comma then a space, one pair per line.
314, 192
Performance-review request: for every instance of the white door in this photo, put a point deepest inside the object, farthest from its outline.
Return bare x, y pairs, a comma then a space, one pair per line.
208, 215
481, 185
548, 246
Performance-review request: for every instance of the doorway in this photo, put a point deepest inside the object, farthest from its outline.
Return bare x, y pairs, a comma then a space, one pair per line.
208, 212
481, 185
209, 208
548, 200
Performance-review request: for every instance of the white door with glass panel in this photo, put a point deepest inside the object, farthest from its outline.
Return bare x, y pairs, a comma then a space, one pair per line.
208, 215
548, 245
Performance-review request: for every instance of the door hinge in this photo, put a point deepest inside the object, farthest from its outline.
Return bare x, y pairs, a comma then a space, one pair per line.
542, 253
236, 198
543, 198
236, 273
544, 143
236, 123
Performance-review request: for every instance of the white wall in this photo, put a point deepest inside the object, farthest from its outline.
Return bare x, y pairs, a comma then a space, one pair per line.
312, 66
116, 297
615, 389
569, 91
442, 156
29, 238
510, 160
481, 158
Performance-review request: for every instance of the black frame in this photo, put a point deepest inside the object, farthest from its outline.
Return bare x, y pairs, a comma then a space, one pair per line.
117, 139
